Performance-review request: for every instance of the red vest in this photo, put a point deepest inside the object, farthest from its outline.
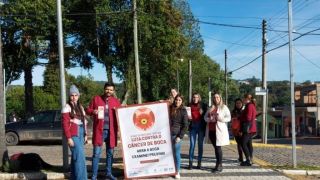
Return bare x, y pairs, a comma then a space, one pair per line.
97, 136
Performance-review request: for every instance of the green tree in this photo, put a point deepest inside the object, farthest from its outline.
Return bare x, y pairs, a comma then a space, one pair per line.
279, 93
15, 100
106, 36
27, 24
87, 87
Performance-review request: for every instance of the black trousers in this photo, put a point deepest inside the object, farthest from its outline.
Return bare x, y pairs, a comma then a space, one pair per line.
217, 149
246, 142
239, 147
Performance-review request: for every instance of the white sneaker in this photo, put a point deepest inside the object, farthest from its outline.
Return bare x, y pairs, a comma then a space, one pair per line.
177, 176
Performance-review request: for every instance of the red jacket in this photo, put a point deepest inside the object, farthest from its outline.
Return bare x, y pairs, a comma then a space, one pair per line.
249, 115
69, 128
97, 137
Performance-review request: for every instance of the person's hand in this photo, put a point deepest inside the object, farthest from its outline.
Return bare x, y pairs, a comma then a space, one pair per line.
95, 111
215, 114
70, 142
178, 140
201, 111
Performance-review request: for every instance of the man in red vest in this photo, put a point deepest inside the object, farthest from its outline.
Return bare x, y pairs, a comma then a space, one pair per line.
105, 128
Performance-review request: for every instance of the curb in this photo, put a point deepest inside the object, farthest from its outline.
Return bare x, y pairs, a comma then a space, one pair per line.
293, 172
34, 175
269, 145
268, 165
300, 172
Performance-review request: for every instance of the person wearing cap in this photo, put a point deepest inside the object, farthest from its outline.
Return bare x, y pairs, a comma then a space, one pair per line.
74, 128
105, 128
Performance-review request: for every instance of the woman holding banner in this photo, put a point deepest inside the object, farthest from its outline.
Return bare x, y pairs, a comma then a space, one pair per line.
217, 117
179, 125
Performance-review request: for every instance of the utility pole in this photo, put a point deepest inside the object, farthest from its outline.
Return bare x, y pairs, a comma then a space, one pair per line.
225, 77
264, 84
293, 112
318, 109
62, 81
178, 78
3, 147
136, 51
190, 80
178, 83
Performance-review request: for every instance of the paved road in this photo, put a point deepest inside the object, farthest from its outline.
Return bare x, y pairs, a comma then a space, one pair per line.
232, 170
307, 152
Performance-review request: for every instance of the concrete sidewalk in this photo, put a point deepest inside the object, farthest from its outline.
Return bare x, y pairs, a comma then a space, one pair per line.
267, 157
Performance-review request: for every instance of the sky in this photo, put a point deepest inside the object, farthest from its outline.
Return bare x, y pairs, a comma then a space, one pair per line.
245, 44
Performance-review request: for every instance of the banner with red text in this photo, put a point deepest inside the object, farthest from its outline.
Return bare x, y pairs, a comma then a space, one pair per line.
146, 140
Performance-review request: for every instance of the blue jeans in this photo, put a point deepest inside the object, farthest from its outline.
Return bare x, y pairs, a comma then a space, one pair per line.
78, 159
96, 156
196, 130
177, 152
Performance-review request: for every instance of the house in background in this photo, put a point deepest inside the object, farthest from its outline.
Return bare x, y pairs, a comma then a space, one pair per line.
307, 111
274, 121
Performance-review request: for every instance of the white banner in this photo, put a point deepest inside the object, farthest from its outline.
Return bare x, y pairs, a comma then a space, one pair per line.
146, 140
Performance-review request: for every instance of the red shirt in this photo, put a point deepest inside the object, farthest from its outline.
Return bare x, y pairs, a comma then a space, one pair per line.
195, 112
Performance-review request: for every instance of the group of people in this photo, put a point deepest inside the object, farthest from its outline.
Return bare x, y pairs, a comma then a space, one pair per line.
204, 121
212, 122
105, 127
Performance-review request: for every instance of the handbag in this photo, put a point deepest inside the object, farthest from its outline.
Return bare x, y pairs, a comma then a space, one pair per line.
245, 127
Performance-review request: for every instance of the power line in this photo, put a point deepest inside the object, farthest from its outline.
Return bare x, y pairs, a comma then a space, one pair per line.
226, 25
297, 8
228, 42
317, 66
273, 50
242, 26
69, 14
304, 34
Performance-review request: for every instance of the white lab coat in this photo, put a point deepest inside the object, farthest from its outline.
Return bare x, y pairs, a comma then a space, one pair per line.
222, 133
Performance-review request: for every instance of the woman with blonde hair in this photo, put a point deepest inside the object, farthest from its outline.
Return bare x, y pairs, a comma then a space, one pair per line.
217, 117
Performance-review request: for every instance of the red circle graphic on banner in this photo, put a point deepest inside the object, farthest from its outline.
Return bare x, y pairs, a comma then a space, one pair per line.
143, 118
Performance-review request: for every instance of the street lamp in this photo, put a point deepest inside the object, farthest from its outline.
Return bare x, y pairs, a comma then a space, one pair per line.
178, 83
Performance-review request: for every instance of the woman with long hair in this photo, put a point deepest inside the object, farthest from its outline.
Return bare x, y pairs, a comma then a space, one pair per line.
248, 128
179, 125
236, 126
74, 128
173, 93
197, 128
217, 117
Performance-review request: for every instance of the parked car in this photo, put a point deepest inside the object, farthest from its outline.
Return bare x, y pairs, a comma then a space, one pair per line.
44, 125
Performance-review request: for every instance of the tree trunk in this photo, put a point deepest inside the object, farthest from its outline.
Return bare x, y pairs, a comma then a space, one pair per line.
28, 89
109, 72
